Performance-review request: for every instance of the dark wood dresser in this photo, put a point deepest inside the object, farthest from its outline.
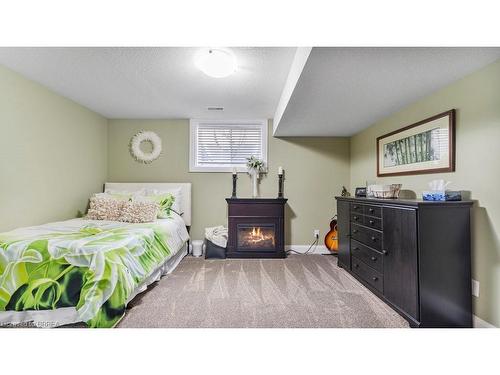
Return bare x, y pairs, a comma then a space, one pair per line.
256, 228
413, 254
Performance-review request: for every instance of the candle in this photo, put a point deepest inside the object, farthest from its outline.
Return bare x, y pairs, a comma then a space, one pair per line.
280, 170
234, 170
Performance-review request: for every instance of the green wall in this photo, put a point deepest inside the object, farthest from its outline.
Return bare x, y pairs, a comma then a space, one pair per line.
55, 153
52, 154
477, 100
316, 169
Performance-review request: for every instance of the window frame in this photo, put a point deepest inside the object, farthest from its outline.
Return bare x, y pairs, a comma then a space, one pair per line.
193, 143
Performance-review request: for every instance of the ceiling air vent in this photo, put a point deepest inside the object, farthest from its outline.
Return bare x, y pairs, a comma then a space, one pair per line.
215, 108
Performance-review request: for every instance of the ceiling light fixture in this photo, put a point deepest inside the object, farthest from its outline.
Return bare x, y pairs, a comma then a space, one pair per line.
216, 62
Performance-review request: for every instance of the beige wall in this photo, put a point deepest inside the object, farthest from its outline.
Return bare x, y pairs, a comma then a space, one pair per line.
477, 100
316, 169
52, 154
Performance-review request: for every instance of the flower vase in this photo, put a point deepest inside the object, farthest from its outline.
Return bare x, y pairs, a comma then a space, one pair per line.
255, 176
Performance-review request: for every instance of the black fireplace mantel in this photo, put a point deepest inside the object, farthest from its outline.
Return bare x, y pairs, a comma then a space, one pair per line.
248, 213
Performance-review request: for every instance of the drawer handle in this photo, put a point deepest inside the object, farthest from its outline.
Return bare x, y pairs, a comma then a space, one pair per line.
374, 258
371, 222
356, 265
374, 278
371, 209
385, 252
374, 239
355, 207
356, 248
356, 218
354, 231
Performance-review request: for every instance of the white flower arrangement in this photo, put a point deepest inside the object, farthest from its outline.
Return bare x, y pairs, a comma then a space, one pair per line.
255, 165
135, 147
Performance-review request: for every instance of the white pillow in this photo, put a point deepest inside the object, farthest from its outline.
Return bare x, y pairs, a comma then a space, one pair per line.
126, 192
176, 192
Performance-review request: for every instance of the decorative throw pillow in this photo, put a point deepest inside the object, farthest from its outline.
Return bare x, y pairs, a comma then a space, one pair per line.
164, 202
176, 193
118, 196
139, 212
105, 208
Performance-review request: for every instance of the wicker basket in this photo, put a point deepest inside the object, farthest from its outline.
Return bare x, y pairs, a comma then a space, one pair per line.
386, 191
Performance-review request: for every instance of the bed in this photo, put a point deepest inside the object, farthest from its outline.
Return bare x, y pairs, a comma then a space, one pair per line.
88, 270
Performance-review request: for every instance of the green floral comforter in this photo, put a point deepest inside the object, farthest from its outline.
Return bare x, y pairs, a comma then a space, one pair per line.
93, 267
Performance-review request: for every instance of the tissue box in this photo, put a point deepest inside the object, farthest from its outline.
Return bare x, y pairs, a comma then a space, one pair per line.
435, 195
438, 195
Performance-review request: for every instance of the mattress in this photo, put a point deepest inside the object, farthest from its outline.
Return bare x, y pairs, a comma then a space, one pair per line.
169, 234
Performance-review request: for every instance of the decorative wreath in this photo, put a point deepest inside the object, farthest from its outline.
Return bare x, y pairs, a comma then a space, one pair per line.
135, 147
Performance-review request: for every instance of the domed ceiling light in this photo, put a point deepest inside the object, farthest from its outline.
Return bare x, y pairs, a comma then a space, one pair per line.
216, 62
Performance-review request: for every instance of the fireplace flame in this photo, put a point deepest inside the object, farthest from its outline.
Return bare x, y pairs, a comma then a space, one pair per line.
257, 236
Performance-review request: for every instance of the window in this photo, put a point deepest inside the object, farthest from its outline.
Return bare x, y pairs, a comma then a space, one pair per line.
221, 145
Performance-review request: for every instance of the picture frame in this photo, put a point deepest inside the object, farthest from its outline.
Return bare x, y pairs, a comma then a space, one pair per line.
427, 146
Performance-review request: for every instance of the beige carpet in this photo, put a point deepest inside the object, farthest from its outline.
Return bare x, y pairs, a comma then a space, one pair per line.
300, 291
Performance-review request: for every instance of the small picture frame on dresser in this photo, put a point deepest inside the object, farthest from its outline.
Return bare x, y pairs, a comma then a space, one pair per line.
360, 192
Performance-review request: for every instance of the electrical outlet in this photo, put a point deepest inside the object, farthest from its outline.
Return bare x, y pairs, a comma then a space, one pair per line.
316, 233
475, 288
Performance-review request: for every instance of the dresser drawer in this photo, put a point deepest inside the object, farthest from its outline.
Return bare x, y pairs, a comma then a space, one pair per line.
356, 208
372, 222
367, 236
357, 218
368, 255
368, 274
373, 211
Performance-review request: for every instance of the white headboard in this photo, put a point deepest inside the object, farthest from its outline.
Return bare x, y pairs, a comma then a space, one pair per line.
135, 186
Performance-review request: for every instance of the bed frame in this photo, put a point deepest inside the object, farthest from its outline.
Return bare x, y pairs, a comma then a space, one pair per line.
136, 186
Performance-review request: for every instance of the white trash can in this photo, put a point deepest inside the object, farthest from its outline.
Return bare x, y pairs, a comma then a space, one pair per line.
197, 248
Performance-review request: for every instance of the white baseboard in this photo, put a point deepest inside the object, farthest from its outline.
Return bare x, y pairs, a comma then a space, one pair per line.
477, 322
318, 249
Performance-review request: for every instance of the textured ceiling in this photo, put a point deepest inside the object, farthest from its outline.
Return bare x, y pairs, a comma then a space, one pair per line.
342, 91
339, 92
156, 82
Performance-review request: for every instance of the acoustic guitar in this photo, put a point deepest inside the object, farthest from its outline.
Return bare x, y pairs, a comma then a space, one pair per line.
331, 238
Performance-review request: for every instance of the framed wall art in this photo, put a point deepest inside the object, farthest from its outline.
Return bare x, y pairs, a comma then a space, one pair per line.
427, 146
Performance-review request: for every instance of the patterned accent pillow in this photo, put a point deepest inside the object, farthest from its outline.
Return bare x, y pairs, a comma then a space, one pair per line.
176, 193
139, 212
105, 208
164, 202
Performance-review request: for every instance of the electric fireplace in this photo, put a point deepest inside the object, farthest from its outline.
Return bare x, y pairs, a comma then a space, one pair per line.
256, 237
256, 228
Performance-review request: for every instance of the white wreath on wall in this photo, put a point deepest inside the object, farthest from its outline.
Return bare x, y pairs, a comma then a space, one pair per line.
135, 146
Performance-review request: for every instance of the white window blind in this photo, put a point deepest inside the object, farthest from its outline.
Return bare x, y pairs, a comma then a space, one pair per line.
219, 146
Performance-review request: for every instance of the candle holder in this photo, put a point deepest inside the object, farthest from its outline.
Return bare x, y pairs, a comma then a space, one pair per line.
280, 186
235, 177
